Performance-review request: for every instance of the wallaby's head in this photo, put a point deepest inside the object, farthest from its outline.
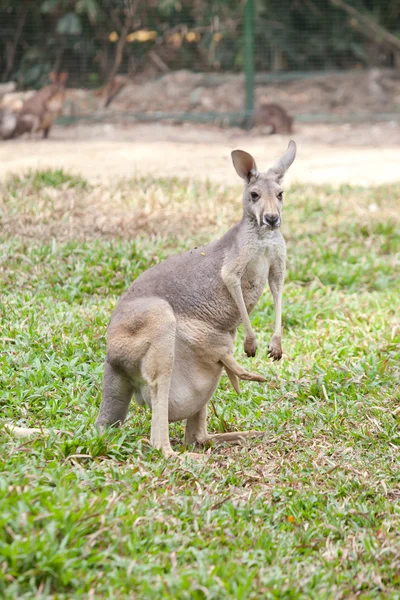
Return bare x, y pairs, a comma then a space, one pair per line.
263, 195
58, 80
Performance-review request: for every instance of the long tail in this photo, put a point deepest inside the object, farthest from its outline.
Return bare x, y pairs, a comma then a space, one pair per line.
28, 432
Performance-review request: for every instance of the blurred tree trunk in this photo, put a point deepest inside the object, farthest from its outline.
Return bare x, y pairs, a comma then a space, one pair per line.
124, 26
61, 45
11, 48
368, 25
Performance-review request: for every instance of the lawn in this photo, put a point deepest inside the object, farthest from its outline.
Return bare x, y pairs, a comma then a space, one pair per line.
310, 511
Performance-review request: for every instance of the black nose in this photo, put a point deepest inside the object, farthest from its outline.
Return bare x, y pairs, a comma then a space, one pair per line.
271, 220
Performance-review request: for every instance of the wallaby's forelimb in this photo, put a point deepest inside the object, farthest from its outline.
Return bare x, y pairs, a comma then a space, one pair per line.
232, 281
275, 279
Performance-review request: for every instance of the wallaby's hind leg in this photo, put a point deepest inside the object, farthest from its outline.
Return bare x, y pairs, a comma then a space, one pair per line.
117, 394
46, 132
140, 351
157, 371
196, 428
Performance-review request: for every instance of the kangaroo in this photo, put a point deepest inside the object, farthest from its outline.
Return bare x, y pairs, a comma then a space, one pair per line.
39, 112
172, 333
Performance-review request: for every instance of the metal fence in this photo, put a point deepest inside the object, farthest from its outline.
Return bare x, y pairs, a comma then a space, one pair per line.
249, 50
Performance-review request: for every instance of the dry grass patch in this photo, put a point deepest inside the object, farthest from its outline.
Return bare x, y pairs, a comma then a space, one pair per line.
33, 207
46, 204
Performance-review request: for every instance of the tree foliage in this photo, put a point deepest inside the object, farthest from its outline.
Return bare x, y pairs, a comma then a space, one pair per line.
93, 39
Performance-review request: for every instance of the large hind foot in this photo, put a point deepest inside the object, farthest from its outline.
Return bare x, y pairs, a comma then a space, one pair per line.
234, 436
196, 431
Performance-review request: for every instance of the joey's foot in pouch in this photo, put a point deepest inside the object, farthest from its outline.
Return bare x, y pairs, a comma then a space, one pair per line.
250, 346
253, 377
275, 348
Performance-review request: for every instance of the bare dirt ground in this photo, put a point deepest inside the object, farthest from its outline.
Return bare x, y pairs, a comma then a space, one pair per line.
362, 154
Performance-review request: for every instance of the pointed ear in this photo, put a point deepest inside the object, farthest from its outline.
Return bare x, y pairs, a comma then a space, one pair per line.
278, 170
53, 76
244, 164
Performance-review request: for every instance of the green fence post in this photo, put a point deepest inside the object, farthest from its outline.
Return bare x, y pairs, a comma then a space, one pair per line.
249, 60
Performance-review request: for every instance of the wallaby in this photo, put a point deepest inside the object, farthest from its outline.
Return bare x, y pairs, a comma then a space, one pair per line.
274, 116
39, 112
172, 333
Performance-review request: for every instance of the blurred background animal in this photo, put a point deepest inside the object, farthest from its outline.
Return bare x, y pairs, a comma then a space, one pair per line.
273, 116
38, 112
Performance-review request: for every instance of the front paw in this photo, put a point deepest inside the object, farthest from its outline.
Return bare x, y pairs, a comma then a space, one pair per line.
250, 346
275, 348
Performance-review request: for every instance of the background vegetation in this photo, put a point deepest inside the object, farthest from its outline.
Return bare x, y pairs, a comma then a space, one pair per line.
311, 511
92, 39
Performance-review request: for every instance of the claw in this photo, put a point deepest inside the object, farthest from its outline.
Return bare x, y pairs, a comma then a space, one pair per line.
250, 346
275, 350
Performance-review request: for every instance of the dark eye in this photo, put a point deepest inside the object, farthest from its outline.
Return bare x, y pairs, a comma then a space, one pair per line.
280, 196
254, 196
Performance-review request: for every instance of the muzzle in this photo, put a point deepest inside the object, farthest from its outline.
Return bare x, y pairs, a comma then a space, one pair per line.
272, 221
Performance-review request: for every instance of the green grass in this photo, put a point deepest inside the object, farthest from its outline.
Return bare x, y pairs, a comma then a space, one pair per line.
312, 511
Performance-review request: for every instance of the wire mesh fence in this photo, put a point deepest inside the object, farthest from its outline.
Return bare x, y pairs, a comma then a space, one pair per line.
191, 59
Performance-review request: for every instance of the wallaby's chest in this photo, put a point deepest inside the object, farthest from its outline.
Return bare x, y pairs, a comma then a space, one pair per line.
254, 279
55, 104
257, 270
